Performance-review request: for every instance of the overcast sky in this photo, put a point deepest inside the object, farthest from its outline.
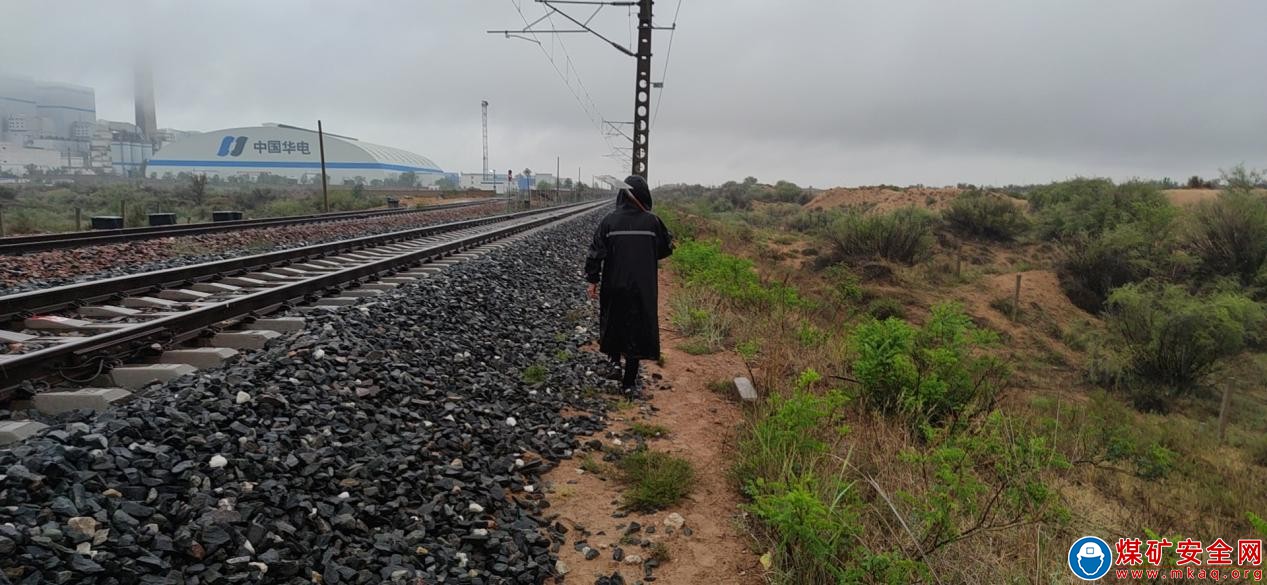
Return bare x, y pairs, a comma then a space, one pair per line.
820, 92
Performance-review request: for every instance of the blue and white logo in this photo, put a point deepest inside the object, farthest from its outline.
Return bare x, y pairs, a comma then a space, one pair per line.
1090, 558
231, 146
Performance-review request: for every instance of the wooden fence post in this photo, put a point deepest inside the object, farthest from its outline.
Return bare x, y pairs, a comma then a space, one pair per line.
1223, 408
1016, 298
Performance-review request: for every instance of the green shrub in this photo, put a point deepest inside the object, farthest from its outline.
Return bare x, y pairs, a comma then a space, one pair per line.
1229, 235
655, 480
1093, 206
1260, 525
1092, 266
791, 434
704, 264
808, 221
933, 373
1115, 434
845, 284
1174, 339
785, 465
1258, 451
809, 335
904, 235
986, 215
886, 308
814, 535
998, 465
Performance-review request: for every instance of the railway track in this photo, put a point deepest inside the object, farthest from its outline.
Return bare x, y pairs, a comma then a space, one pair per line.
81, 328
39, 242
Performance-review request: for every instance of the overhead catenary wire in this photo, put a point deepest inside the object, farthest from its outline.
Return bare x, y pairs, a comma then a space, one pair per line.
664, 73
569, 71
549, 16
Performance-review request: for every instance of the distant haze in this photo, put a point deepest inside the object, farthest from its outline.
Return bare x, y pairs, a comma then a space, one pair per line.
821, 92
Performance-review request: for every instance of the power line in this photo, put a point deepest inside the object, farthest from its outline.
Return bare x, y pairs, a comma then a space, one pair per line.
668, 53
642, 56
588, 105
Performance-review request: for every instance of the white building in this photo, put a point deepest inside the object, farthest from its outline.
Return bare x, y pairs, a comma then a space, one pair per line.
290, 152
55, 122
17, 160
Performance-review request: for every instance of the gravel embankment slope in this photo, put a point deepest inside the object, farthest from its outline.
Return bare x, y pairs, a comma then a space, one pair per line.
395, 441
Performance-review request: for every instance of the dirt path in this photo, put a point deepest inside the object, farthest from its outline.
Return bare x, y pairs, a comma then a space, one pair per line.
702, 425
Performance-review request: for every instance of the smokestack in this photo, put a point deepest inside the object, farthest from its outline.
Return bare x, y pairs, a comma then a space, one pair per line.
145, 117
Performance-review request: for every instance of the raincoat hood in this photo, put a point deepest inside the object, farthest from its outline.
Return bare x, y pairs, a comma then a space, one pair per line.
640, 192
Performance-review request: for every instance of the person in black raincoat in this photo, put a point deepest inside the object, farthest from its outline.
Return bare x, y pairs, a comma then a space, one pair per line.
623, 257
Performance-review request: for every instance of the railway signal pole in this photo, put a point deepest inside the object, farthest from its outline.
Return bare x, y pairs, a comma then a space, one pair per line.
641, 138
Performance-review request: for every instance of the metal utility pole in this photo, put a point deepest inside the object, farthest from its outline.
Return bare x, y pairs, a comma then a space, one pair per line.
558, 178
484, 108
641, 138
321, 144
642, 92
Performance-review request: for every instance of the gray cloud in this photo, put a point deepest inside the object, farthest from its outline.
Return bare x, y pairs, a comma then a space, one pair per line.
816, 91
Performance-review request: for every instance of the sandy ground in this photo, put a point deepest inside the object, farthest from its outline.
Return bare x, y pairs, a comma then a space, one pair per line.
702, 425
1190, 196
883, 199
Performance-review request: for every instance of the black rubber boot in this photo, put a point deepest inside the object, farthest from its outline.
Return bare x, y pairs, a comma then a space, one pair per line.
629, 383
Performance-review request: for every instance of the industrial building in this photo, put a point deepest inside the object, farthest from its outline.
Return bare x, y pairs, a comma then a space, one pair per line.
290, 152
48, 125
53, 127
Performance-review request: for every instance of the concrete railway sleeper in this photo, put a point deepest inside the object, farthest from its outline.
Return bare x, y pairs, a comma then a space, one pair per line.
225, 310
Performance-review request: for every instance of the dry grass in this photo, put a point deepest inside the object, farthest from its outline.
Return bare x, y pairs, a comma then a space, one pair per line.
1203, 490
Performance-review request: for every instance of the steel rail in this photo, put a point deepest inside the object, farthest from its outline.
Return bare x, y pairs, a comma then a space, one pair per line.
15, 368
38, 242
29, 303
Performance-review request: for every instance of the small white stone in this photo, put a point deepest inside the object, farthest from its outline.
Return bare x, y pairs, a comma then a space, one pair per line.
561, 567
617, 442
475, 508
530, 488
510, 421
519, 463
320, 353
674, 521
456, 464
633, 560
344, 495
258, 566
480, 532
243, 397
218, 461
